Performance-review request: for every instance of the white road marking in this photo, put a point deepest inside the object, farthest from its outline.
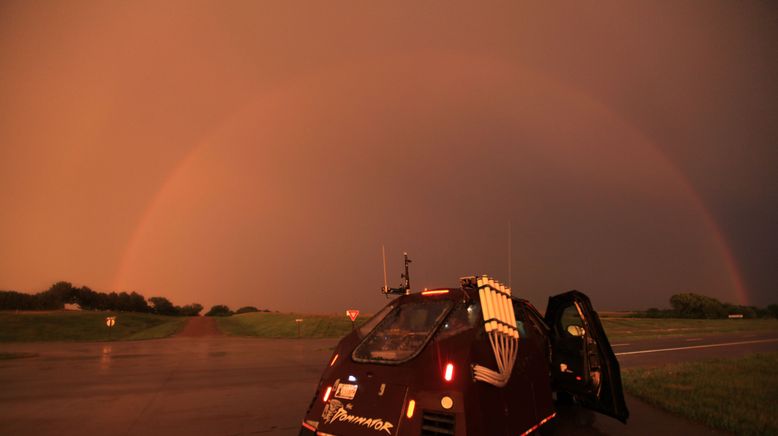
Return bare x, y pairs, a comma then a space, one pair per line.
725, 344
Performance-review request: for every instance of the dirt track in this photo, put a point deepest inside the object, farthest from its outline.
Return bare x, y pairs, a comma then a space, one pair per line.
199, 326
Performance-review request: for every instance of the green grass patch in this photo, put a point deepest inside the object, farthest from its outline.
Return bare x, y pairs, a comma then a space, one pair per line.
85, 326
651, 328
283, 325
735, 395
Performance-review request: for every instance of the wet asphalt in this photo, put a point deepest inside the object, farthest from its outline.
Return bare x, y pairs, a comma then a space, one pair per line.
206, 384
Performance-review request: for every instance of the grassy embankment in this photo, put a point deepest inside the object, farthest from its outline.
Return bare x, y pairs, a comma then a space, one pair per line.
619, 329
735, 395
84, 326
283, 325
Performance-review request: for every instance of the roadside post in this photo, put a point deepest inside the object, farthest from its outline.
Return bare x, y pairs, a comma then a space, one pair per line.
298, 321
110, 321
352, 314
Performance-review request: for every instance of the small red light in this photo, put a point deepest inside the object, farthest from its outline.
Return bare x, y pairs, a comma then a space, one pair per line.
435, 292
327, 394
449, 374
578, 377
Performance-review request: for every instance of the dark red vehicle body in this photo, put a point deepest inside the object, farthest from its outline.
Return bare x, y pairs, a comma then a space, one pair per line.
432, 391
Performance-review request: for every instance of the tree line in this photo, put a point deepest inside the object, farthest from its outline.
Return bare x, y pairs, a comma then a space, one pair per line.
62, 293
691, 305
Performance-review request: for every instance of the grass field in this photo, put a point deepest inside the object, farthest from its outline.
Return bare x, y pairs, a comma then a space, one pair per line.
735, 395
648, 328
90, 326
84, 326
283, 325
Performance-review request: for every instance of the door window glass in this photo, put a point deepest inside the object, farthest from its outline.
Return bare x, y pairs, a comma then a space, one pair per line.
571, 322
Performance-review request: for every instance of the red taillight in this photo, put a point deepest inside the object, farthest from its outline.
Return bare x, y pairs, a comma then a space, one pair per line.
327, 394
449, 374
435, 292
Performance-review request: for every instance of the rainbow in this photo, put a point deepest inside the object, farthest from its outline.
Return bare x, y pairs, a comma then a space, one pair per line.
261, 104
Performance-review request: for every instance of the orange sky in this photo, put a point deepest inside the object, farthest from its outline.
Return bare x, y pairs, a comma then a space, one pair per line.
260, 153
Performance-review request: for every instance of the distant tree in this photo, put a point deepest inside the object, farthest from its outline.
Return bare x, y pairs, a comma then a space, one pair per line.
773, 310
746, 311
690, 305
12, 300
247, 309
86, 298
762, 312
123, 302
162, 306
112, 301
55, 297
219, 310
138, 303
193, 309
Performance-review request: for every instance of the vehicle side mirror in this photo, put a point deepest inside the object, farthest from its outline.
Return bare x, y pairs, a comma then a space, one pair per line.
575, 330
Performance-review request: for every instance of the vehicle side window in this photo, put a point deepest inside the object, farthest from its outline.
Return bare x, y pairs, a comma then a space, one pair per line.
518, 311
533, 324
463, 317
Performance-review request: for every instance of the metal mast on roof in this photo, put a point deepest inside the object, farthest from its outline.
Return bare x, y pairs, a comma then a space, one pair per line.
405, 289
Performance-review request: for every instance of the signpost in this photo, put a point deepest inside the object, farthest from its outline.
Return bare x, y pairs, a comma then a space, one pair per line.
352, 314
298, 321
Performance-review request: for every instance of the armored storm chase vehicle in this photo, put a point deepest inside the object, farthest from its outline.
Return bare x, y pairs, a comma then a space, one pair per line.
472, 360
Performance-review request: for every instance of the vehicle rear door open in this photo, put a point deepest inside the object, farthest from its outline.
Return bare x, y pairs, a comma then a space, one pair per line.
582, 361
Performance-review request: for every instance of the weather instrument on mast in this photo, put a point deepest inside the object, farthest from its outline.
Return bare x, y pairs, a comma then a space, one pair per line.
405, 288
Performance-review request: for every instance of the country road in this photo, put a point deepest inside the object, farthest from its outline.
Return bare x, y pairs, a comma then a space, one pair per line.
205, 384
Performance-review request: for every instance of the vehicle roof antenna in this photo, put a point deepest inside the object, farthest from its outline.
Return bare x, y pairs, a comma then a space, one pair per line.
383, 255
407, 275
405, 289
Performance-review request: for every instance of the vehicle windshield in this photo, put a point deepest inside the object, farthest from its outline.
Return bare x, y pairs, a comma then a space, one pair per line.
372, 322
402, 334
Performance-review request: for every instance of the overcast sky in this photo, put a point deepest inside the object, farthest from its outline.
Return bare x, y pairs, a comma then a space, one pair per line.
260, 153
